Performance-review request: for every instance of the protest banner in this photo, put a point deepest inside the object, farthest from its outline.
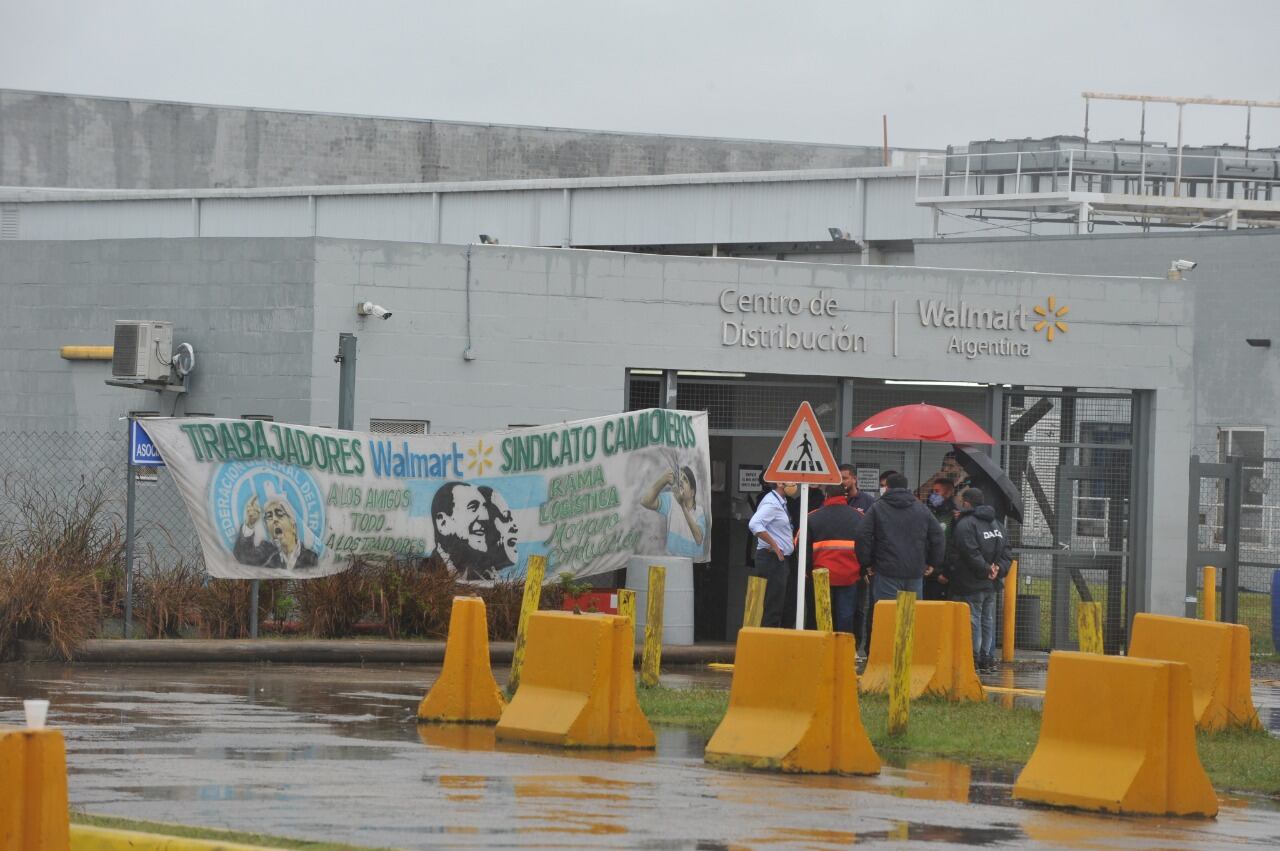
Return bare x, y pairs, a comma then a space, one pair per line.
274, 500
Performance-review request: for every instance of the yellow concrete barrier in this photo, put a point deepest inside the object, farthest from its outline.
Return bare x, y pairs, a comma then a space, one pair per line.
793, 706
578, 688
941, 655
86, 838
1218, 656
33, 790
1117, 735
465, 692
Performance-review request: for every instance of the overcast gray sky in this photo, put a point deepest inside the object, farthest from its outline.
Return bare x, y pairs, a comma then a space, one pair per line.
944, 72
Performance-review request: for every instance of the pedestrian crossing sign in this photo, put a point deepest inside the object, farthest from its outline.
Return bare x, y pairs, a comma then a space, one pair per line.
804, 456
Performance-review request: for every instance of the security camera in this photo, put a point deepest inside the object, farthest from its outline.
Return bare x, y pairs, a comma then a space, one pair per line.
368, 308
1184, 265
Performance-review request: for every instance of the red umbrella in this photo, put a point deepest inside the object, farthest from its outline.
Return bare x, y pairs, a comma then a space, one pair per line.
922, 422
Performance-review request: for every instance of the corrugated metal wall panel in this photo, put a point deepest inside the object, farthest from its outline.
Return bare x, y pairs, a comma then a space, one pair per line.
533, 217
719, 213
255, 217
892, 212
402, 218
693, 213
105, 219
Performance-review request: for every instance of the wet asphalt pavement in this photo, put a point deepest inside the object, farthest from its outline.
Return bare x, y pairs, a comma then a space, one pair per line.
334, 753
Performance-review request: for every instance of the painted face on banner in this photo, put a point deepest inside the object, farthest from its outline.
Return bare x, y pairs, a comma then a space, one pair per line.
462, 521
280, 523
504, 530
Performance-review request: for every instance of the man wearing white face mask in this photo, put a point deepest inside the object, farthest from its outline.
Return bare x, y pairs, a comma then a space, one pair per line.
771, 524
884, 480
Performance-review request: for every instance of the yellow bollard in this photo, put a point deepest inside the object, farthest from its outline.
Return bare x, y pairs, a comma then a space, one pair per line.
651, 663
900, 681
534, 574
1210, 592
1009, 639
753, 614
627, 605
1089, 627
822, 600
33, 790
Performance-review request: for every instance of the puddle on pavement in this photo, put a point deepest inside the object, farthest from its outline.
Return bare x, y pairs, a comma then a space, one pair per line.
900, 832
228, 744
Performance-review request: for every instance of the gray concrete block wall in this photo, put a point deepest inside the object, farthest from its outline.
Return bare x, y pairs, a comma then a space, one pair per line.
62, 140
1234, 293
553, 332
245, 305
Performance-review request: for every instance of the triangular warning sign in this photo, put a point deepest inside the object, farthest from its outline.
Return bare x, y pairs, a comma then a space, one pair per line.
803, 456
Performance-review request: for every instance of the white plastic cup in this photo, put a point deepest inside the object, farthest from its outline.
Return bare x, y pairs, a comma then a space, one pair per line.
37, 711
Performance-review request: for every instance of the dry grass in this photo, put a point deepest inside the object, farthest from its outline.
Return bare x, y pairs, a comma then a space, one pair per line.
167, 596
331, 606
60, 563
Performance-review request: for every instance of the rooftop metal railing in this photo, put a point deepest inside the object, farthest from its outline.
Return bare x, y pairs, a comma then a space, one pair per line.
1104, 168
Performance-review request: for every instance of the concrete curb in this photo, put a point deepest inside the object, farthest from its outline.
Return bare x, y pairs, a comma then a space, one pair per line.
108, 651
86, 838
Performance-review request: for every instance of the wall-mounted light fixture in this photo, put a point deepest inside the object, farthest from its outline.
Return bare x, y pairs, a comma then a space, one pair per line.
1259, 342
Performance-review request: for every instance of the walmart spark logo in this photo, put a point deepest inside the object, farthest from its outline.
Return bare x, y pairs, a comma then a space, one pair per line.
479, 458
1050, 320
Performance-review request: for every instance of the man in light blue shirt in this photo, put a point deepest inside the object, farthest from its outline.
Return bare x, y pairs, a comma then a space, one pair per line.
771, 524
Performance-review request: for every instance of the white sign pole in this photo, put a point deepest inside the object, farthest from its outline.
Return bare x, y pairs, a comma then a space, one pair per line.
801, 554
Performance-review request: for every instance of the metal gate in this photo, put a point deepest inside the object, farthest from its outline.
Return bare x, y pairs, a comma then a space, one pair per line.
1070, 453
1104, 555
1213, 531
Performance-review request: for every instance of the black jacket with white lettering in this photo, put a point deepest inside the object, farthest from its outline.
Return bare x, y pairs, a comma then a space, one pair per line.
978, 541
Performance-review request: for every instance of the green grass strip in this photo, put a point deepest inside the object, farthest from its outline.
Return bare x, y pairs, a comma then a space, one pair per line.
1241, 761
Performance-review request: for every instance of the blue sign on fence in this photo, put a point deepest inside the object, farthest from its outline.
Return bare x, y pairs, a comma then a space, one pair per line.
142, 452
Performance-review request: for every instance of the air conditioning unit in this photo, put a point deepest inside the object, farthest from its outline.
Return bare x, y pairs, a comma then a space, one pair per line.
143, 351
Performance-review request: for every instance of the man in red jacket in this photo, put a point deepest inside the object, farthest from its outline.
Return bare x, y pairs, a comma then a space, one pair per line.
832, 530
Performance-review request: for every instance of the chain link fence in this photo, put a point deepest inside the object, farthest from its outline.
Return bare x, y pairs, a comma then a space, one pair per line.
1068, 454
55, 466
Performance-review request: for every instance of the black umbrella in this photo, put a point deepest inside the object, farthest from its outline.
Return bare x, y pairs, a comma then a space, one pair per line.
994, 482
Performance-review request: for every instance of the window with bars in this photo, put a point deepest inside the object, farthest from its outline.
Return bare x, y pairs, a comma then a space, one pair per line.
645, 391
383, 425
9, 222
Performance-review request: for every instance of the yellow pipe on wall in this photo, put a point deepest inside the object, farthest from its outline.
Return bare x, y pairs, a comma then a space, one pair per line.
87, 352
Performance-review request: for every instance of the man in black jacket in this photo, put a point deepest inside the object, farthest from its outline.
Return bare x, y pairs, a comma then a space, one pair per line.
980, 554
899, 542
